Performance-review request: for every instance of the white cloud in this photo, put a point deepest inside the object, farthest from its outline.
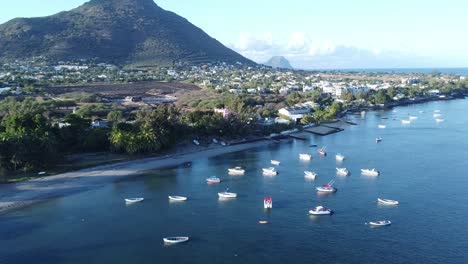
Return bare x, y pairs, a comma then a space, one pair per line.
305, 52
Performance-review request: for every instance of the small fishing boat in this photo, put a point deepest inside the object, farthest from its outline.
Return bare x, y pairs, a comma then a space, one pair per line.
421, 111
270, 171
327, 187
342, 171
305, 156
41, 173
223, 143
322, 151
382, 126
134, 200
196, 142
320, 210
387, 201
436, 115
215, 141
268, 202
437, 111
227, 194
313, 145
177, 198
236, 171
213, 179
310, 175
339, 157
275, 162
413, 117
405, 122
370, 172
175, 240
378, 139
380, 223
439, 120
263, 222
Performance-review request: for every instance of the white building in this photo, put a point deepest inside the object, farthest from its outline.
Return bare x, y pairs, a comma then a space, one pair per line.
294, 113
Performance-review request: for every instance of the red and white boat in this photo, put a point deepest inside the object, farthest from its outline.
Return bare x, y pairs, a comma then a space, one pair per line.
213, 179
327, 187
322, 151
268, 202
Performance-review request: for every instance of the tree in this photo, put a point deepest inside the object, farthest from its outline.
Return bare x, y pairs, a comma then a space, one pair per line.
115, 116
307, 119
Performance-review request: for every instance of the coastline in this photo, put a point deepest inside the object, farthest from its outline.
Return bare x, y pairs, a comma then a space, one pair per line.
23, 194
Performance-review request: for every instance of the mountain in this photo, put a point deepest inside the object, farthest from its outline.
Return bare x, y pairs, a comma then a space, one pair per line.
136, 32
278, 62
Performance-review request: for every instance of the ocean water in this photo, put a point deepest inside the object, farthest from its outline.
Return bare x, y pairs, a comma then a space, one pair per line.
455, 71
423, 165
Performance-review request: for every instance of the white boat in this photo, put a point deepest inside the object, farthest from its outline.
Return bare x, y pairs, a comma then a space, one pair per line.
380, 223
196, 142
213, 179
339, 157
223, 143
327, 187
370, 172
413, 117
322, 151
215, 141
177, 198
387, 201
275, 162
263, 222
320, 210
310, 175
436, 115
381, 126
227, 194
342, 171
175, 240
439, 120
437, 111
270, 171
305, 156
421, 111
405, 122
378, 139
268, 202
236, 171
134, 200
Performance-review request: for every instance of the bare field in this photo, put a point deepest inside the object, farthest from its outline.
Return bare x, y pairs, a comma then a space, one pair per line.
118, 90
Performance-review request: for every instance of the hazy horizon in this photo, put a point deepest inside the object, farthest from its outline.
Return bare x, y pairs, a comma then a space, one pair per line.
317, 35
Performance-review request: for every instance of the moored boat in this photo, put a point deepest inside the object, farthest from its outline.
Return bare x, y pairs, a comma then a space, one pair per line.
305, 156
342, 171
436, 115
320, 210
378, 139
439, 120
175, 240
267, 203
275, 162
236, 171
370, 172
177, 198
227, 194
310, 175
405, 122
322, 151
339, 157
270, 171
413, 117
213, 179
327, 187
387, 201
382, 126
196, 142
134, 200
380, 223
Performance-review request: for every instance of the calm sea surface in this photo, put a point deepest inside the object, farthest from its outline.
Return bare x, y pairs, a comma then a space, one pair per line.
455, 71
423, 165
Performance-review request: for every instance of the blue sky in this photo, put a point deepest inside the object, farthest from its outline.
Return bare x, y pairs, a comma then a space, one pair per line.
320, 33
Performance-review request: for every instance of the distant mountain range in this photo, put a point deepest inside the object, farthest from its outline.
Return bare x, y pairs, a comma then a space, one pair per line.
278, 62
136, 32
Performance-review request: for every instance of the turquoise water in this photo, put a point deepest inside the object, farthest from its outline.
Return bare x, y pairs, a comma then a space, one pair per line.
423, 165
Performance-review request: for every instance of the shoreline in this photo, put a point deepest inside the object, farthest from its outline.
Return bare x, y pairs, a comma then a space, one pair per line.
23, 194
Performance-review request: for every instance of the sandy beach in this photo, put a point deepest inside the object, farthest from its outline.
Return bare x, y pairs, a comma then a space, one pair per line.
18, 195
